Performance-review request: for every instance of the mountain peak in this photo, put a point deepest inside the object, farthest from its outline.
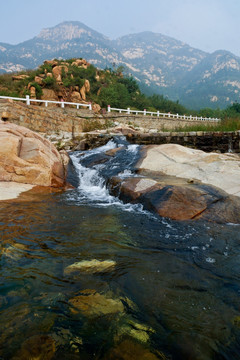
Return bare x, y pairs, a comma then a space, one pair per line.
67, 30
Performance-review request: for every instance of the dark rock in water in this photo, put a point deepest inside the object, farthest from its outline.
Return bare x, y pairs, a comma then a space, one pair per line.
178, 202
95, 159
72, 176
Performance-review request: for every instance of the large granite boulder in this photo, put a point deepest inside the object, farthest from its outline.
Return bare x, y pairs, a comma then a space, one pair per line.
183, 184
178, 200
221, 170
26, 157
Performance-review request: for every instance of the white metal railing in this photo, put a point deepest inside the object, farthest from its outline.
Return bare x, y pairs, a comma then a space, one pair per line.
28, 101
165, 115
46, 102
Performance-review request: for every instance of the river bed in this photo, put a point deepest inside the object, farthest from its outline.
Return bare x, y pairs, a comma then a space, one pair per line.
174, 286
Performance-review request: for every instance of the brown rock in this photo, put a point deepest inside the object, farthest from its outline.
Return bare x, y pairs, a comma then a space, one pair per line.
48, 94
96, 108
32, 92
20, 77
38, 80
57, 72
51, 62
178, 201
113, 152
83, 92
49, 74
5, 115
26, 157
93, 304
87, 86
76, 97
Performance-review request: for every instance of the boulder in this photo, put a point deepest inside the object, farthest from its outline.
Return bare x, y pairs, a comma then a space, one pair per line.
83, 93
178, 201
20, 77
220, 170
96, 108
87, 86
57, 72
38, 80
48, 94
33, 92
51, 62
75, 97
28, 158
85, 89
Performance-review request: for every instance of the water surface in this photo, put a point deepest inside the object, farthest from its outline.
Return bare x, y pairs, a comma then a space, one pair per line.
179, 282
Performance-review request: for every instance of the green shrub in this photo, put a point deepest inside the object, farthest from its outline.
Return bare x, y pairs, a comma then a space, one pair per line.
49, 81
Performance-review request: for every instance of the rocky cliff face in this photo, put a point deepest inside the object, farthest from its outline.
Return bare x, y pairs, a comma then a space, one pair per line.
161, 64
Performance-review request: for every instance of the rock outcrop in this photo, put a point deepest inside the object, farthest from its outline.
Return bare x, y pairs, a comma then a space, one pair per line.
221, 170
28, 158
197, 186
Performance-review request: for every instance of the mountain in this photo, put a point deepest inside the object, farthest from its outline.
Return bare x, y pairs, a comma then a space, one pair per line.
160, 63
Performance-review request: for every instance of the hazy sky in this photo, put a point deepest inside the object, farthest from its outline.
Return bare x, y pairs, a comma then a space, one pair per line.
208, 25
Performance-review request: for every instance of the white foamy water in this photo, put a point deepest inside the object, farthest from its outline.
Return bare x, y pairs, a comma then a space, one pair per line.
92, 186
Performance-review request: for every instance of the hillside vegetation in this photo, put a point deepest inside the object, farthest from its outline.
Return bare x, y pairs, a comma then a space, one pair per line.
76, 80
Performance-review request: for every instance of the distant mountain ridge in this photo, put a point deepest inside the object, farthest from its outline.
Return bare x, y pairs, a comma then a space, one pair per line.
160, 63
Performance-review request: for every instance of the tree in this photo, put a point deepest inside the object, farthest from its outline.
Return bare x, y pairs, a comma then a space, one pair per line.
115, 95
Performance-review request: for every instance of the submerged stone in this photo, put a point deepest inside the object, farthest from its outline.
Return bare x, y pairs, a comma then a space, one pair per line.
92, 304
135, 330
38, 347
131, 350
91, 266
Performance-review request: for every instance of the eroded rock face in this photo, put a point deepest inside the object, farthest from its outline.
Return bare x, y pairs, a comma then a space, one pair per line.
26, 157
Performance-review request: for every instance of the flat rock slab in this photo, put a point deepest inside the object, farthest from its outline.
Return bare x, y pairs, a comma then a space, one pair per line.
11, 190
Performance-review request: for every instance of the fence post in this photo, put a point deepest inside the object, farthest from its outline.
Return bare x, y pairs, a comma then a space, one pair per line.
27, 99
144, 112
128, 110
77, 107
90, 106
62, 104
109, 108
46, 103
158, 114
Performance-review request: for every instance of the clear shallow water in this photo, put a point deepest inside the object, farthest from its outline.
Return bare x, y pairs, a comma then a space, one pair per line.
178, 280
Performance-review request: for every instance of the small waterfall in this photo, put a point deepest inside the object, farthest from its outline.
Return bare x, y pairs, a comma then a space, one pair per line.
92, 187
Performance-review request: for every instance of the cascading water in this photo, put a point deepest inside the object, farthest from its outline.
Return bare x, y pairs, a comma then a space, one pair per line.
93, 181
171, 292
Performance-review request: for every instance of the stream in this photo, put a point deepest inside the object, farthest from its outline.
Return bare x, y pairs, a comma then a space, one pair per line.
172, 293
